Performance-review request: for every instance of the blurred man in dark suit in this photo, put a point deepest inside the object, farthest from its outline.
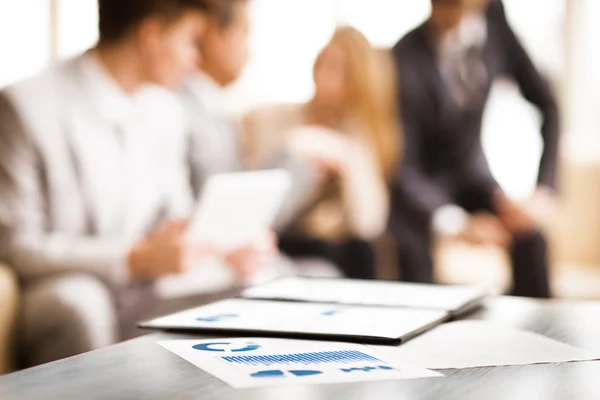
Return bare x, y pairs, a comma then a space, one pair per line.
447, 67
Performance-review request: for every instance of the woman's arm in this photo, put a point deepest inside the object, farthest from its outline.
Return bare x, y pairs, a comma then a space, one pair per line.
364, 191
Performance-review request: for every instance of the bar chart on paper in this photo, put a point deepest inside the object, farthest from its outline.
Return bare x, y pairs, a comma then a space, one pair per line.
251, 362
324, 357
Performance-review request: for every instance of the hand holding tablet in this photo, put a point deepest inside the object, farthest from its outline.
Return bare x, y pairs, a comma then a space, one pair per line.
236, 209
232, 224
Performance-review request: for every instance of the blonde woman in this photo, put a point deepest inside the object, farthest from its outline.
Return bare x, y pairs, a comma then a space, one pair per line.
348, 133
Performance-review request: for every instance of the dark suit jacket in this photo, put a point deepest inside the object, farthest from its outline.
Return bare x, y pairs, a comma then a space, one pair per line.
443, 140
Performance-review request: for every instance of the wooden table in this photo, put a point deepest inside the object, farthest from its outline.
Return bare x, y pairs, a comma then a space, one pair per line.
140, 369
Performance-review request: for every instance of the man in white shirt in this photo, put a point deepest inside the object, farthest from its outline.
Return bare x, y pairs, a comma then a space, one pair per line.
94, 182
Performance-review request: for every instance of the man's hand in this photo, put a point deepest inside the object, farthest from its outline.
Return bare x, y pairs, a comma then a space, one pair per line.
516, 218
484, 228
165, 251
247, 259
541, 206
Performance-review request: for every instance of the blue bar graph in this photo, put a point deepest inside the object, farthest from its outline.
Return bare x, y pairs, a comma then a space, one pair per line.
325, 357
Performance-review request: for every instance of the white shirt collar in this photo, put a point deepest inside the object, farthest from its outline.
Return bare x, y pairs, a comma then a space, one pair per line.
211, 95
109, 99
472, 32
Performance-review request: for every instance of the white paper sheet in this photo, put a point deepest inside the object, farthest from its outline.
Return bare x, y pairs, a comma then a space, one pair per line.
251, 362
210, 277
343, 291
213, 276
236, 208
284, 317
471, 344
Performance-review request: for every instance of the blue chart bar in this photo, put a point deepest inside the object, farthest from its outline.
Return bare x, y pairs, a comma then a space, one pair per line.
324, 357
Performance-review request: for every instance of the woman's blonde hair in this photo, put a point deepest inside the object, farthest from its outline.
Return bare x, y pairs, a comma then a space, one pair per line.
372, 90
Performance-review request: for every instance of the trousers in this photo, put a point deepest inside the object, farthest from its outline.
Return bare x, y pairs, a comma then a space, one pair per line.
66, 315
414, 241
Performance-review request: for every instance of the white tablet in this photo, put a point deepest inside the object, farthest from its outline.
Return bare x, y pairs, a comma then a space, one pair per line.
235, 208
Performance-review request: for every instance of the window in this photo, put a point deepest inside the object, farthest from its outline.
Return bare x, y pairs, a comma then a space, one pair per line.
24, 39
77, 26
582, 89
26, 34
285, 40
511, 127
384, 22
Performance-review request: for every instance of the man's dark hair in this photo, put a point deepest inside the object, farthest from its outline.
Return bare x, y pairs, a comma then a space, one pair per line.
119, 17
224, 12
445, 2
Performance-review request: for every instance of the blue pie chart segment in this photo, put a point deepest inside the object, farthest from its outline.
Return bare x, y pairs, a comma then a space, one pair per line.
222, 347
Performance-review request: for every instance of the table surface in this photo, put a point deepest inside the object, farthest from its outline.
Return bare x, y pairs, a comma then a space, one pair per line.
140, 369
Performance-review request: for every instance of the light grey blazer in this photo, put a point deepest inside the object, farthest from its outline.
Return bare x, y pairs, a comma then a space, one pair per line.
64, 205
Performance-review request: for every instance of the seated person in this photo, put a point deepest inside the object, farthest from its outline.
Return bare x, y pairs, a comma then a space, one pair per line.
347, 133
216, 140
444, 187
95, 180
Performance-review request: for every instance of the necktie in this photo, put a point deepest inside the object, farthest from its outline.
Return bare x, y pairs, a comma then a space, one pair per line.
471, 77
